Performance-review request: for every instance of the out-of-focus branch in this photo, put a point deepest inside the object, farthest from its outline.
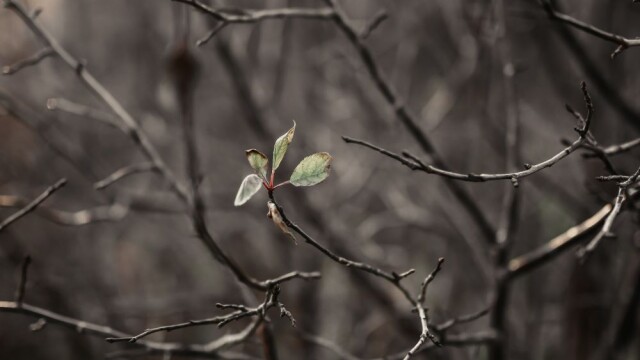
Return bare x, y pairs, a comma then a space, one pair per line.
113, 212
133, 130
619, 148
622, 42
22, 283
33, 204
251, 16
124, 172
132, 127
32, 60
608, 223
456, 340
408, 119
88, 328
523, 264
64, 105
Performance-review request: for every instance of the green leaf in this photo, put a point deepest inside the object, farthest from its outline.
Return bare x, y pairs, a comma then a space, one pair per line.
258, 162
311, 170
249, 187
281, 145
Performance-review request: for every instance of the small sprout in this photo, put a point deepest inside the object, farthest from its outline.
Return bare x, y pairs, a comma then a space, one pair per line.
249, 187
311, 170
275, 215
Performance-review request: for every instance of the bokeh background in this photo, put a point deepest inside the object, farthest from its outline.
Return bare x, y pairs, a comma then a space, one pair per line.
144, 266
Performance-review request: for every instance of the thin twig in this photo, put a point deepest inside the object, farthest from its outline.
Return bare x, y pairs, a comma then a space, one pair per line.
622, 42
251, 16
30, 61
22, 284
124, 172
113, 212
33, 204
584, 252
407, 118
61, 104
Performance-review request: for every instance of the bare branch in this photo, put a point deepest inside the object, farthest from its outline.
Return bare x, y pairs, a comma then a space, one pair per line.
30, 61
378, 19
408, 119
22, 284
70, 107
124, 172
133, 129
584, 252
216, 29
240, 313
250, 16
622, 42
88, 328
33, 204
113, 212
556, 246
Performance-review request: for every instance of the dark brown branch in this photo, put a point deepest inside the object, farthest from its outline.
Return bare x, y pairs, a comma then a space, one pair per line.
622, 42
22, 283
392, 277
378, 19
30, 61
271, 300
456, 340
33, 204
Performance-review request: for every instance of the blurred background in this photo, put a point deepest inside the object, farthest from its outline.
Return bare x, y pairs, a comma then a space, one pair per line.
140, 265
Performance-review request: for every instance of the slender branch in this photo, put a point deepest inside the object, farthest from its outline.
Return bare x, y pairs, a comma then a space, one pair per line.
373, 24
523, 264
22, 283
61, 104
113, 212
88, 328
457, 340
621, 148
251, 16
622, 42
428, 280
461, 320
241, 312
408, 119
414, 163
132, 127
584, 252
422, 313
30, 61
216, 29
124, 172
33, 204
